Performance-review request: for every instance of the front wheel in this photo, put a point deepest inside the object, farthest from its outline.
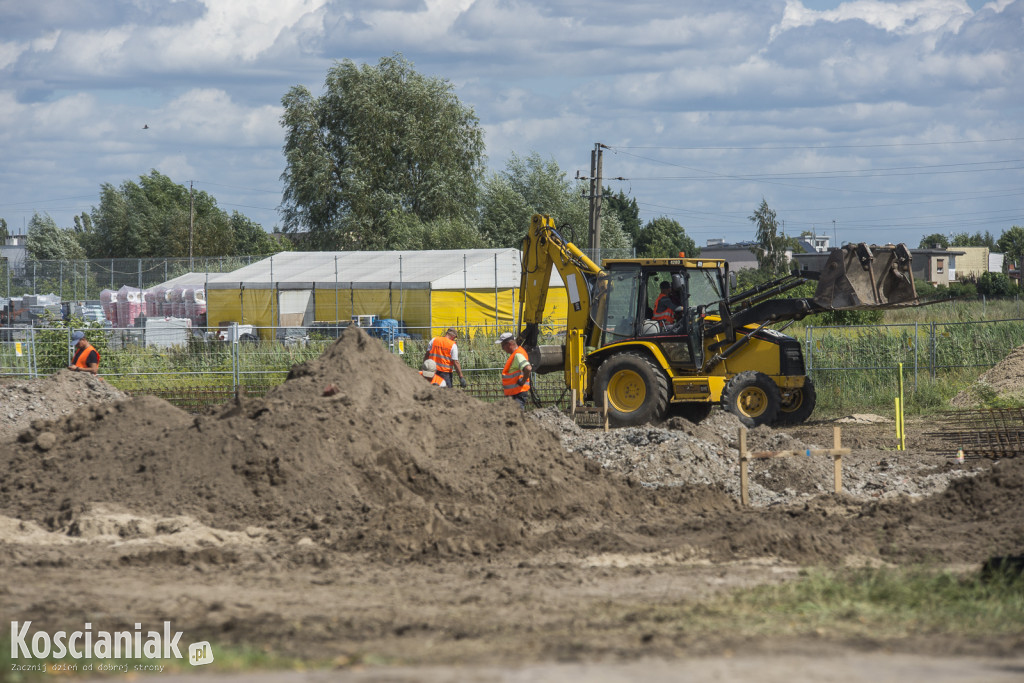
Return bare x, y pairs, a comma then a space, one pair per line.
752, 397
637, 389
797, 404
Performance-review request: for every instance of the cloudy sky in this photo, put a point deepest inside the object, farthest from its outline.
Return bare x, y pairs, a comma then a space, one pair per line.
867, 120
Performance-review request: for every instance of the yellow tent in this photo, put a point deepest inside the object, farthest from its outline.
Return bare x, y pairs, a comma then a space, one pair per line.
425, 291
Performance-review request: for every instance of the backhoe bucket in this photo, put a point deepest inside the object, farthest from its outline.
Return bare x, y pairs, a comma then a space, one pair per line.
862, 276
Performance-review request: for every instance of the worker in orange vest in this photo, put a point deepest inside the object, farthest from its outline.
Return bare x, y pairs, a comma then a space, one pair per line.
430, 373
515, 376
85, 358
665, 306
445, 353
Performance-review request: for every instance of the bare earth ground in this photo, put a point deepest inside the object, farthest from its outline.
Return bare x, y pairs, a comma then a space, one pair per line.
358, 516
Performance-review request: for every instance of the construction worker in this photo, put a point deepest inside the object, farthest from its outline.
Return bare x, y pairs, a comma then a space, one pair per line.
515, 376
665, 305
85, 358
430, 373
445, 354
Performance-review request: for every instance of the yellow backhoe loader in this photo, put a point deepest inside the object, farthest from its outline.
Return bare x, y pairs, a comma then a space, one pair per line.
714, 348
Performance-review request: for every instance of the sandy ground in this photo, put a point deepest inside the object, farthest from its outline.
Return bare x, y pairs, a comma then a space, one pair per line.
399, 533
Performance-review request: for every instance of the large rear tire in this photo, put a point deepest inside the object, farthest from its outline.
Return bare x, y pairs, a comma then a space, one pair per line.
797, 404
752, 397
637, 389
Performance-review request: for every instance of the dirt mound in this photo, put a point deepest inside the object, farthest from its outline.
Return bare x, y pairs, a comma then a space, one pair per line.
1005, 380
355, 451
50, 398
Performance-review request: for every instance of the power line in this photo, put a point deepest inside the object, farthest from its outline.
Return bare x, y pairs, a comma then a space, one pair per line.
777, 147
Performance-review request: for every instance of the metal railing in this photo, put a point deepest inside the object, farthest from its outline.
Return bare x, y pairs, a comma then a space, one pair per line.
201, 370
921, 348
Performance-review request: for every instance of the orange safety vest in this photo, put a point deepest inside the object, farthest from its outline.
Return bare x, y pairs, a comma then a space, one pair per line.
510, 379
668, 314
80, 359
436, 379
441, 353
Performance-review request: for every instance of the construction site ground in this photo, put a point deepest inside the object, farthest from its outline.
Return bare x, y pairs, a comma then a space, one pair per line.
370, 524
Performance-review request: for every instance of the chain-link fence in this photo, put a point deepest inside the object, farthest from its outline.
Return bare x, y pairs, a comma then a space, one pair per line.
861, 364
194, 368
84, 279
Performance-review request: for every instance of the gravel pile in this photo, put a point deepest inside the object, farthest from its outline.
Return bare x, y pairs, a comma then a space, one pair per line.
679, 453
50, 398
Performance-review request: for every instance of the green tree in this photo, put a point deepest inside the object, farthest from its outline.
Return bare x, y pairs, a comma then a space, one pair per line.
153, 218
626, 209
663, 238
45, 241
996, 285
527, 186
962, 239
381, 141
3, 232
1011, 244
934, 240
771, 246
615, 242
443, 233
250, 239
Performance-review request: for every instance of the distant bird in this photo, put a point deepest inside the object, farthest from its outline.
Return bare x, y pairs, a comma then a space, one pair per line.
145, 127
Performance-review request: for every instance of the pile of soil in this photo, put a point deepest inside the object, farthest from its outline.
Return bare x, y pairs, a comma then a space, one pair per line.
1005, 380
50, 398
355, 451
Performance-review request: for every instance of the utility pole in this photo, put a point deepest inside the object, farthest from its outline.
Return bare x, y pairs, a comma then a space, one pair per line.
596, 193
191, 224
594, 222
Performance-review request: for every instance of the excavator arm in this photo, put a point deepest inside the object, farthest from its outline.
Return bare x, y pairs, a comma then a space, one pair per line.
544, 249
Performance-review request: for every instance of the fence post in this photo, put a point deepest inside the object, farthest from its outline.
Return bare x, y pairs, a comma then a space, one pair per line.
932, 360
916, 342
809, 333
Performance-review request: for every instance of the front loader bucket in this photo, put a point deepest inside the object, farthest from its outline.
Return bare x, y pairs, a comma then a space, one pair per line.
862, 276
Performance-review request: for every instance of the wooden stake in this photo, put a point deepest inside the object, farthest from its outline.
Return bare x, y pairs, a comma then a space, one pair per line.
837, 460
744, 498
606, 410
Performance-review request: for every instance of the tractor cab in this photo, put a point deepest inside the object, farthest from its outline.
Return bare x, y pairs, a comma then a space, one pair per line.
659, 301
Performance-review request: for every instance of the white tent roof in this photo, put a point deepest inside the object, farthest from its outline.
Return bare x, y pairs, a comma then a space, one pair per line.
445, 269
188, 280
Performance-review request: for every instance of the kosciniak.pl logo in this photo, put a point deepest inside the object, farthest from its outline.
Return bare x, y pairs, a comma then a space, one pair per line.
100, 644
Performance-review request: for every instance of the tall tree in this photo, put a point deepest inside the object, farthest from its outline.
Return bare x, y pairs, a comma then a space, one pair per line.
3, 232
934, 240
1011, 244
381, 141
963, 239
157, 217
527, 186
771, 246
250, 239
663, 237
45, 241
626, 209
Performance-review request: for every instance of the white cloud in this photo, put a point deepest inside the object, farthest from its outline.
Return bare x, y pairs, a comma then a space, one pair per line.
208, 76
234, 31
9, 53
917, 16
